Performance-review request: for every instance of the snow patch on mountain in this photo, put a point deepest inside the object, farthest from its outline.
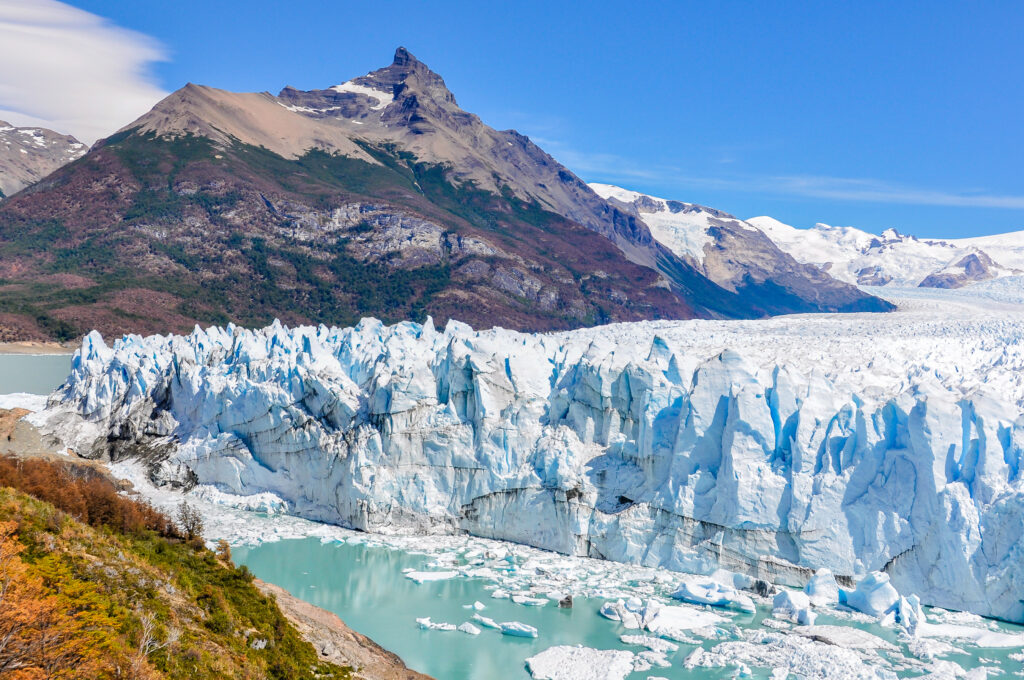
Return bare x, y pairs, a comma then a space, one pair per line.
895, 259
683, 227
383, 98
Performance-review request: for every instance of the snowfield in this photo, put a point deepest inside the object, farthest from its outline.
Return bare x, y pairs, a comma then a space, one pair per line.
857, 443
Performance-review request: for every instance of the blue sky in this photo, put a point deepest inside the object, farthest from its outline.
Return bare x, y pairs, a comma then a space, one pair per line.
869, 114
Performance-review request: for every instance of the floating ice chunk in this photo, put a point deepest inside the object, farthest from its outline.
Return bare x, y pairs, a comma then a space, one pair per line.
644, 661
426, 624
795, 606
469, 628
822, 589
486, 622
610, 610
517, 629
979, 636
529, 601
580, 663
655, 644
908, 614
788, 655
847, 637
621, 612
710, 592
478, 606
499, 594
873, 595
425, 576
674, 622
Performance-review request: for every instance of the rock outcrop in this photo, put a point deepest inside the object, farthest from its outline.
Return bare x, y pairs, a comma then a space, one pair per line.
27, 154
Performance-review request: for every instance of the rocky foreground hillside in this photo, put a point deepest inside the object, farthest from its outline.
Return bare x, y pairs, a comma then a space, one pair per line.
378, 196
95, 586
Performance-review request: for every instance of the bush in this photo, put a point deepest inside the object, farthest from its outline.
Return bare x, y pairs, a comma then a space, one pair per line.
85, 494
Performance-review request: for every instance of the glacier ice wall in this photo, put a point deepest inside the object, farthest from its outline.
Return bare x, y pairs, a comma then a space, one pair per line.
856, 443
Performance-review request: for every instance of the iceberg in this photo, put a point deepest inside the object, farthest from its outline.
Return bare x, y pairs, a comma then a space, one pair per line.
486, 622
874, 595
822, 589
795, 606
426, 624
712, 593
580, 663
468, 628
772, 448
517, 629
427, 576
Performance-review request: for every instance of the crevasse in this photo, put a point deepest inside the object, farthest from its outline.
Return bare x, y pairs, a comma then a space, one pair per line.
771, 448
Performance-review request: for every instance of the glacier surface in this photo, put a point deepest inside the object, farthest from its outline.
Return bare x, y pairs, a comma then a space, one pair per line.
856, 443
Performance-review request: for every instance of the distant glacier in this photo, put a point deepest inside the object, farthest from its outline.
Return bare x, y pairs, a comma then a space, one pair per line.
853, 442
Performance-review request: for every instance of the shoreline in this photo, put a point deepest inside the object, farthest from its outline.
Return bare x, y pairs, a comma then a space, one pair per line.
335, 641
35, 347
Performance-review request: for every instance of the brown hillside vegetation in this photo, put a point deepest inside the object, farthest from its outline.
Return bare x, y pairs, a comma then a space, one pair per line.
97, 585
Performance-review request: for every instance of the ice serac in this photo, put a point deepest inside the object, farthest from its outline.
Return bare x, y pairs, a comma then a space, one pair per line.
855, 443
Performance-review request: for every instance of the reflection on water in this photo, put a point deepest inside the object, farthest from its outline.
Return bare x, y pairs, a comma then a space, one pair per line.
33, 373
365, 586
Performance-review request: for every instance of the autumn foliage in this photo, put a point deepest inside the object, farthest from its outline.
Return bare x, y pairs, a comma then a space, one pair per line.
41, 636
84, 494
97, 585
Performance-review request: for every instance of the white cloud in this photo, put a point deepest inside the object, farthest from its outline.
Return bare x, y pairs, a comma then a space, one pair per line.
601, 167
73, 71
876, 191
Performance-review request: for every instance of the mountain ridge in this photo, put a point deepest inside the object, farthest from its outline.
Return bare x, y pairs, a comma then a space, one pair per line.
218, 206
27, 154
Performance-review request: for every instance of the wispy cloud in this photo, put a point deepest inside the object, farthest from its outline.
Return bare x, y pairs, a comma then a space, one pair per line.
878, 191
613, 168
73, 71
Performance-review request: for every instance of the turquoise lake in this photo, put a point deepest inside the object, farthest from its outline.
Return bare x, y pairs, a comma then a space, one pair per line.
365, 586
33, 373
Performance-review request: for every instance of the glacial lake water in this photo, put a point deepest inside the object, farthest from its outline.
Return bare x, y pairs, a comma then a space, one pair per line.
33, 373
366, 587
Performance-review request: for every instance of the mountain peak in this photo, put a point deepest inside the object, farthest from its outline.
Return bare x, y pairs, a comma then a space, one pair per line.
404, 58
409, 75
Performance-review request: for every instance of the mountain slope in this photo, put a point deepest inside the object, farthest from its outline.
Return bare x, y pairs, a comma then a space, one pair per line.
377, 197
99, 586
741, 258
892, 258
28, 154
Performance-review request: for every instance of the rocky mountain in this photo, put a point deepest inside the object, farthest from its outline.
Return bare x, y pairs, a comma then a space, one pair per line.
740, 257
378, 196
27, 154
892, 258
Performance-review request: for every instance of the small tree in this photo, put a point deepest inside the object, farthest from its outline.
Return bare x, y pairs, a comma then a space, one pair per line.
189, 521
223, 551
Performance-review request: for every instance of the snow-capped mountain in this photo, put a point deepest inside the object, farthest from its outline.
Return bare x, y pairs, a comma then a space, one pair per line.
27, 154
300, 204
738, 256
892, 258
730, 250
859, 442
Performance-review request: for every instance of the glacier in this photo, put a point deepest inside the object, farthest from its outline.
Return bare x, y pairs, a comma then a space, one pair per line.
856, 443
